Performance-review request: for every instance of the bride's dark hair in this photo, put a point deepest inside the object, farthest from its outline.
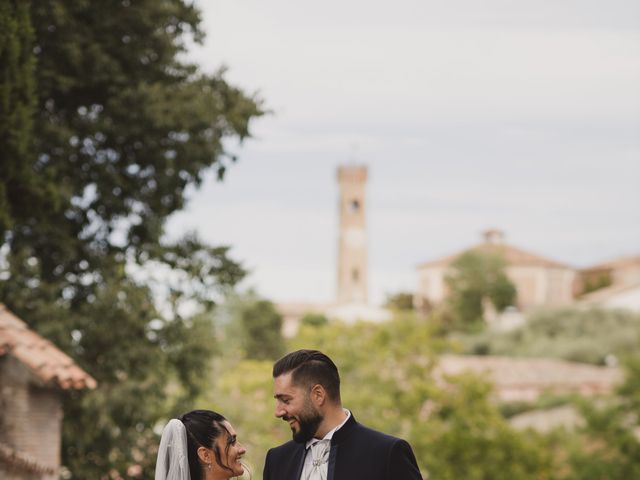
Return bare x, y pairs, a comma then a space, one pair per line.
203, 428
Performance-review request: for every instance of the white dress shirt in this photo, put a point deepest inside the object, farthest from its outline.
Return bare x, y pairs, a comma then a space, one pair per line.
316, 461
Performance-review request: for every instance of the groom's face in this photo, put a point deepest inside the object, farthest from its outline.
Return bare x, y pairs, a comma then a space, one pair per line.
294, 406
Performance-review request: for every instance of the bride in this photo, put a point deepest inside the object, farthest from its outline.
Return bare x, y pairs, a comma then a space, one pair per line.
199, 445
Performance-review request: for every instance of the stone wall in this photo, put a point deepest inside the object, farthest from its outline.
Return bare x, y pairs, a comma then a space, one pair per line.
30, 424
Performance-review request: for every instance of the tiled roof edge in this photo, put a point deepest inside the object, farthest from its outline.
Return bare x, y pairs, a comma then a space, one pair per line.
23, 461
65, 372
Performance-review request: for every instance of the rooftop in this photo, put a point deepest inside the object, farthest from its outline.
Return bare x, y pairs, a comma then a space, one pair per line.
40, 356
616, 263
494, 243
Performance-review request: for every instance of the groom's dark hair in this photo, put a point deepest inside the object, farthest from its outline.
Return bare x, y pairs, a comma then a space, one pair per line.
308, 368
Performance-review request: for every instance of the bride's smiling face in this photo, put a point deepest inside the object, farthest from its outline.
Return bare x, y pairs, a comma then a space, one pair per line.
231, 452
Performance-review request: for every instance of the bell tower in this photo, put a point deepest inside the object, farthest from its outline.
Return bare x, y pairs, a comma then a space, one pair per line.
352, 239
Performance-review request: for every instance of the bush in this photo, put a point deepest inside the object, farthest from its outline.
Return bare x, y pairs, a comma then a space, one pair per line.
476, 277
591, 336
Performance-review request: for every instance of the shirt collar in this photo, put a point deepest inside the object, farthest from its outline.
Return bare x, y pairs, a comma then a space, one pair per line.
330, 433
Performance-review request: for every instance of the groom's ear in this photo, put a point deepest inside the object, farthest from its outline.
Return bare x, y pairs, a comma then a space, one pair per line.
318, 394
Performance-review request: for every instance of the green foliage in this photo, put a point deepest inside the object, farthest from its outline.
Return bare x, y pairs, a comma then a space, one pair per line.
545, 401
314, 320
384, 368
252, 327
609, 444
473, 277
589, 336
94, 161
17, 103
402, 301
596, 282
146, 367
122, 128
262, 327
463, 435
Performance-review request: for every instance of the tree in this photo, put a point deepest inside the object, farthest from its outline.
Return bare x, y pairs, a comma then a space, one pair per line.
475, 276
314, 319
252, 327
120, 128
262, 325
609, 445
17, 100
462, 435
596, 282
148, 367
400, 301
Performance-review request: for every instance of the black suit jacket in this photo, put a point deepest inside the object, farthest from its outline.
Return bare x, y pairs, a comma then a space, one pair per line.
357, 453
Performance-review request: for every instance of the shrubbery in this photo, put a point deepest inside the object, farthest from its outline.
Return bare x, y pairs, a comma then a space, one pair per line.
590, 336
387, 381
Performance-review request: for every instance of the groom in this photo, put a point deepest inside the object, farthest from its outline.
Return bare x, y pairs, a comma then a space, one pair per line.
328, 443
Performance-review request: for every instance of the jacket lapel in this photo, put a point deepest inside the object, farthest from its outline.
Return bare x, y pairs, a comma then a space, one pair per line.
338, 437
299, 460
331, 468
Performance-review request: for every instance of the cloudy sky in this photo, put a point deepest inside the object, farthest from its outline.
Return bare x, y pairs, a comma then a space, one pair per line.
523, 116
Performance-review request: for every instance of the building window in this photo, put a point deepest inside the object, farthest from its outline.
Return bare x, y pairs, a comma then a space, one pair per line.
355, 275
354, 206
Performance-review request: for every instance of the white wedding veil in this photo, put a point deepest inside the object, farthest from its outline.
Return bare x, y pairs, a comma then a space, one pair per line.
173, 460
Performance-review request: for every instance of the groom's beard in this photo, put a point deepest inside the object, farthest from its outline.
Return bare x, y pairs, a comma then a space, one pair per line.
308, 423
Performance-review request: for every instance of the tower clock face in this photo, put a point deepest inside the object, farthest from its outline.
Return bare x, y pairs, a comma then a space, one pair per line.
355, 237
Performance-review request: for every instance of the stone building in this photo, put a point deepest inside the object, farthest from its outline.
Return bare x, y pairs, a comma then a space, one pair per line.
539, 281
352, 298
616, 296
614, 284
352, 236
33, 376
619, 272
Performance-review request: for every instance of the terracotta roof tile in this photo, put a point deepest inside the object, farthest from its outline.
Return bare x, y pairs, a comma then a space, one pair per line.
616, 263
512, 255
43, 358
